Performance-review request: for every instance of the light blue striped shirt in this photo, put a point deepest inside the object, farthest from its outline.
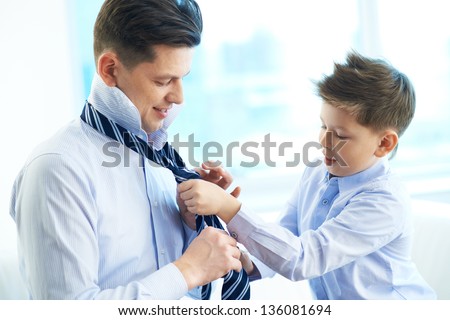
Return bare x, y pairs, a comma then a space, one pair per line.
95, 225
350, 236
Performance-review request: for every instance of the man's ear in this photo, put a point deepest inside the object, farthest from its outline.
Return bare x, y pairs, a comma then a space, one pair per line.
107, 65
388, 141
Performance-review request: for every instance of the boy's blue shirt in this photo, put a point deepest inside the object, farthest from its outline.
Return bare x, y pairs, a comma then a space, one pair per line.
350, 236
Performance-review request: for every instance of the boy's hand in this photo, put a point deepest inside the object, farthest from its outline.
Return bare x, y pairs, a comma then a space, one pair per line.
205, 198
213, 172
188, 217
247, 262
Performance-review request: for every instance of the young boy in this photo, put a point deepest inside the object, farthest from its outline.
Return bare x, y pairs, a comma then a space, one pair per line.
347, 228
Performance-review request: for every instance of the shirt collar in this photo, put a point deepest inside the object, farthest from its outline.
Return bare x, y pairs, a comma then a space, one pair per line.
115, 105
379, 168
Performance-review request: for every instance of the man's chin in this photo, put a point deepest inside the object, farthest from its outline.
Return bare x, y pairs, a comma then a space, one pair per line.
153, 128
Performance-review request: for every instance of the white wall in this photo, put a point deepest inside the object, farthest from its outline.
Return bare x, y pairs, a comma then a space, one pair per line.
36, 88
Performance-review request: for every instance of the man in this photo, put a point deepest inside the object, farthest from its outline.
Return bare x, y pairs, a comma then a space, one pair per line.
94, 219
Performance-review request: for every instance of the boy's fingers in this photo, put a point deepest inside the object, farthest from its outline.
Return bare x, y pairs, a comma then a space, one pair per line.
184, 186
211, 164
201, 172
236, 192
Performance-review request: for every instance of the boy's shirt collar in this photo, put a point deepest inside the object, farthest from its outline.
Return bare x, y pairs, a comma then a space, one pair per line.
380, 168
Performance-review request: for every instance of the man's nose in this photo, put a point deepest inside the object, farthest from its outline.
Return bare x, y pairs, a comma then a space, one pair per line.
176, 93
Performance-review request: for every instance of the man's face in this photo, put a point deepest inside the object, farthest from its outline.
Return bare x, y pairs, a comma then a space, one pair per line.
154, 86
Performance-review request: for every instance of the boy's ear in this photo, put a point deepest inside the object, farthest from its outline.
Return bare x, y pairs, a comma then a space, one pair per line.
388, 141
107, 65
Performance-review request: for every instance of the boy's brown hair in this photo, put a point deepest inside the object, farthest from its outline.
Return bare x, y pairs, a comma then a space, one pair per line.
377, 94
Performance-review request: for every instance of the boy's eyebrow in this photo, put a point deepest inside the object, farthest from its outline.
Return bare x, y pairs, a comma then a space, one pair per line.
337, 127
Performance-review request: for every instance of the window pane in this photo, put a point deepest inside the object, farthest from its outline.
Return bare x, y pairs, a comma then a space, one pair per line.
249, 99
415, 37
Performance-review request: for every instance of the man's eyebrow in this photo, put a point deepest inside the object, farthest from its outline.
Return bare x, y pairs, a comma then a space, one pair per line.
171, 76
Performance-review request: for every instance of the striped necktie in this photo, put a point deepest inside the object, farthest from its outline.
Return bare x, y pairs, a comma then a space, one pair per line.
235, 284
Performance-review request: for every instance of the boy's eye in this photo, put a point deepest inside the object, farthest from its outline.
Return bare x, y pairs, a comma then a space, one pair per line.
324, 127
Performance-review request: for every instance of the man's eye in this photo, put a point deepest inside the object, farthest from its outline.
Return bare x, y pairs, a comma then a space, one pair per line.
163, 83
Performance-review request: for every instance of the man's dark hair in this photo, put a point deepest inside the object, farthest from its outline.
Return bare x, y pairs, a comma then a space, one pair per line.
131, 28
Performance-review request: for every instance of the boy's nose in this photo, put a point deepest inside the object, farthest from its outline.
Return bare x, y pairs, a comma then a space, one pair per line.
326, 139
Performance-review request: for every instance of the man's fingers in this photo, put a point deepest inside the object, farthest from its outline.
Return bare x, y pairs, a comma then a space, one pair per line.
220, 232
236, 265
236, 253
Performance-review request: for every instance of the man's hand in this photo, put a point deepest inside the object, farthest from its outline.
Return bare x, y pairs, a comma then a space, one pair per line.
210, 256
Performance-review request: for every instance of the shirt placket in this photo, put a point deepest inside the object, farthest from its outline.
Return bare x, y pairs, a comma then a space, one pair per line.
155, 215
320, 216
324, 204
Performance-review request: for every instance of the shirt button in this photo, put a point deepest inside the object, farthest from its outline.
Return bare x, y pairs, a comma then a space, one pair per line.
234, 235
163, 251
155, 204
325, 202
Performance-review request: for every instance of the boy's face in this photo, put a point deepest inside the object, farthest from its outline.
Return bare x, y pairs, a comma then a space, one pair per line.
348, 147
154, 87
